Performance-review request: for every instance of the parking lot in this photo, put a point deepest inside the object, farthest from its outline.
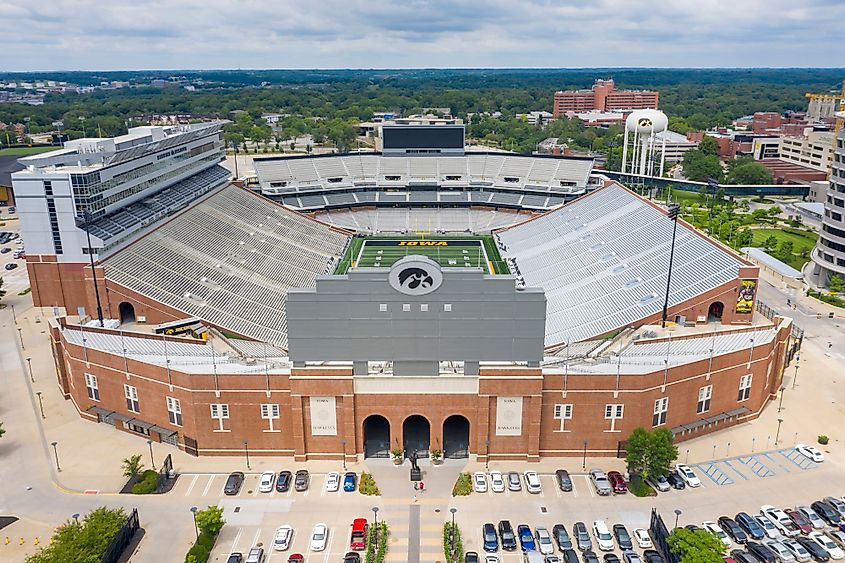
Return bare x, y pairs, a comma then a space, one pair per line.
15, 280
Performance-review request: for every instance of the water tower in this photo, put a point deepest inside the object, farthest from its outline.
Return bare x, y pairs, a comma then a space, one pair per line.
642, 128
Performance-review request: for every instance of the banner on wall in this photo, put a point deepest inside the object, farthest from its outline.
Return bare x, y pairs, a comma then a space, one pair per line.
745, 299
509, 416
323, 416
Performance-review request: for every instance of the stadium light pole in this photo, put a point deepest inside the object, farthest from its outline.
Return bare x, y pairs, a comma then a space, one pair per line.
40, 404
674, 211
584, 461
87, 217
453, 510
777, 434
196, 528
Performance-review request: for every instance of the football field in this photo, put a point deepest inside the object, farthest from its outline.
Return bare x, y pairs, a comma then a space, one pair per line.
449, 253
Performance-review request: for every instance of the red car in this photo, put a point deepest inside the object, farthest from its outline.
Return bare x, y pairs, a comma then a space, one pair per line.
296, 558
617, 482
358, 539
801, 522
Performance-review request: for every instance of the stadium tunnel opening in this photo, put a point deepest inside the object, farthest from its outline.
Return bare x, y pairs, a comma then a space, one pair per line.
456, 437
416, 435
127, 312
376, 436
714, 313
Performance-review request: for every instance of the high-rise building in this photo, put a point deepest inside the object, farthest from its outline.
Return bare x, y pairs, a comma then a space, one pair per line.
110, 189
604, 97
829, 254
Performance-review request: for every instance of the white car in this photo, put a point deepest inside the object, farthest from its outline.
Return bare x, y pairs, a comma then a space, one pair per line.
642, 538
489, 558
812, 516
797, 550
266, 482
782, 522
687, 475
497, 482
770, 530
281, 541
604, 538
332, 481
532, 482
810, 452
780, 550
319, 537
713, 527
827, 544
479, 482
544, 541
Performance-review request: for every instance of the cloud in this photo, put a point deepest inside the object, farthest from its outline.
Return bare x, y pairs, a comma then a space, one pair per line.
126, 34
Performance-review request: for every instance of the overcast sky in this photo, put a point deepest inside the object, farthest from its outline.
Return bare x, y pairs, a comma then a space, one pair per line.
186, 34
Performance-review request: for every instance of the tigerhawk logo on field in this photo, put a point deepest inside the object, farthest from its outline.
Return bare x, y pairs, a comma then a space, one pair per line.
423, 243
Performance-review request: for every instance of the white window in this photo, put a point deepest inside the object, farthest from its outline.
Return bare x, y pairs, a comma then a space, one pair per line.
91, 385
447, 307
220, 412
270, 412
704, 395
406, 307
174, 411
424, 307
613, 413
744, 387
563, 413
661, 407
382, 307
131, 394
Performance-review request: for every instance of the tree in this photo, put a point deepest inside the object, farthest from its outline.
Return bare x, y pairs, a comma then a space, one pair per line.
785, 249
2, 291
835, 285
132, 466
744, 238
650, 453
699, 165
708, 146
696, 546
210, 521
83, 542
747, 171
2, 430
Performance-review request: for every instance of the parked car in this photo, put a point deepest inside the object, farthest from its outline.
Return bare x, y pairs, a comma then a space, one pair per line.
676, 481
526, 538
781, 521
617, 482
332, 481
742, 556
801, 522
301, 480
570, 556
659, 482
604, 539
750, 526
652, 556
590, 557
11, 266
235, 557
784, 555
543, 540
491, 540
817, 552
233, 483
532, 483
730, 526
833, 550
561, 537
688, 475
282, 539
564, 481
827, 512
611, 558
296, 558
283, 481
266, 481
5, 250
319, 537
600, 482
514, 481
352, 557
255, 555
797, 550
720, 533
623, 538
762, 552
810, 452
815, 520
552, 559
837, 503
582, 537
471, 557
506, 535
358, 536
490, 558
838, 536
631, 557
642, 538
770, 529
497, 482
350, 481
479, 482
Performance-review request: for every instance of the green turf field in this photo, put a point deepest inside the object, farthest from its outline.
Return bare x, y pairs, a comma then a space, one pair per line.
449, 252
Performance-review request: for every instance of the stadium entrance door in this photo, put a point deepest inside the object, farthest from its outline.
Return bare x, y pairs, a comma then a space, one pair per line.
456, 437
376, 436
127, 312
416, 432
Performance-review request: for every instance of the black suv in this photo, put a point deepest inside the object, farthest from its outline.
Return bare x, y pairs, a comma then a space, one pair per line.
731, 528
623, 538
507, 536
233, 483
235, 558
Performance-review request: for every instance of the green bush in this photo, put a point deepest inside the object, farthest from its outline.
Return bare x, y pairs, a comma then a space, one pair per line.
367, 485
823, 440
463, 486
148, 483
377, 553
640, 488
201, 550
85, 540
458, 555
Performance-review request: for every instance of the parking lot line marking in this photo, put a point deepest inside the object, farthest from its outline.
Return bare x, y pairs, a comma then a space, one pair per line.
255, 539
589, 486
208, 485
735, 470
191, 486
237, 539
332, 534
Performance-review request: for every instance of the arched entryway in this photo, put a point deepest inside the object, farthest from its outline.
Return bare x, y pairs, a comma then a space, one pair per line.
416, 432
376, 436
127, 312
456, 437
714, 313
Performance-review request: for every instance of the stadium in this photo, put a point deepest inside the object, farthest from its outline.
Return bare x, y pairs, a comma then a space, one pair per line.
418, 299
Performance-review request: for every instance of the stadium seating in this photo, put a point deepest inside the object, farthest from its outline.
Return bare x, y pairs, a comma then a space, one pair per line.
229, 260
602, 261
445, 220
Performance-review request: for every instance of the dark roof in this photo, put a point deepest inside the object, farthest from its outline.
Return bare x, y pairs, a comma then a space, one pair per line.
8, 164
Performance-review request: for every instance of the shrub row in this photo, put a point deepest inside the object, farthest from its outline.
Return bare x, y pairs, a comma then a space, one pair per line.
201, 550
377, 553
456, 556
463, 486
367, 485
147, 484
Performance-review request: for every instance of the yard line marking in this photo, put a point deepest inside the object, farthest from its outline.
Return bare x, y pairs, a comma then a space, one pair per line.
191, 486
208, 485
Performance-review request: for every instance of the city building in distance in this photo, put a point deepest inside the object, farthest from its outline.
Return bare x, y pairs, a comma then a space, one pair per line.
603, 97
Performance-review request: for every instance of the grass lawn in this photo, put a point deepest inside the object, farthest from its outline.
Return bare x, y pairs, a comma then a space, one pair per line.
800, 241
23, 151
